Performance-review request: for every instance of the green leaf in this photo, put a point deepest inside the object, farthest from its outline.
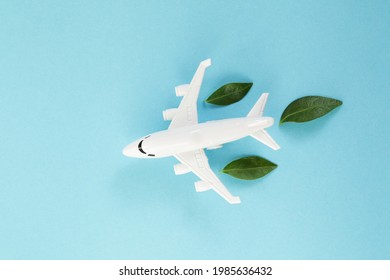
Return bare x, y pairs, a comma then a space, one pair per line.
308, 108
229, 93
249, 168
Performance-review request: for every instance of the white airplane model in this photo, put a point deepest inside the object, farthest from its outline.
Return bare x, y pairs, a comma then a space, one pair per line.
185, 138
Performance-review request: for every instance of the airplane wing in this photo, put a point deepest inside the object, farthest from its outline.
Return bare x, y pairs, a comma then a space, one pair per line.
197, 162
187, 113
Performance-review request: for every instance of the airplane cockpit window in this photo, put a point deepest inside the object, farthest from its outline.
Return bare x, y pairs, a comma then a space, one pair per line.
141, 149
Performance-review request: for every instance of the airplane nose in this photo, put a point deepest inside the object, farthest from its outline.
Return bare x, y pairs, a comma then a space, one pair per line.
130, 150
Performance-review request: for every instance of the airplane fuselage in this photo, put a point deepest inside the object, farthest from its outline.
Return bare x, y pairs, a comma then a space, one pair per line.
211, 134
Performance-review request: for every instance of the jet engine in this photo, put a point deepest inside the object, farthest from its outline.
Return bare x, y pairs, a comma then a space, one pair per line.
169, 114
181, 169
202, 186
182, 89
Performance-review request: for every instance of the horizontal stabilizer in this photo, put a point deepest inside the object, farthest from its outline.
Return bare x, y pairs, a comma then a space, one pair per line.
257, 110
266, 139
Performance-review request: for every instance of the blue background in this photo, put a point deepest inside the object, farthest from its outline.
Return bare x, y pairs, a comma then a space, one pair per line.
81, 79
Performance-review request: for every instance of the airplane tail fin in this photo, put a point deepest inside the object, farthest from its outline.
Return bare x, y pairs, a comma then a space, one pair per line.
262, 135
